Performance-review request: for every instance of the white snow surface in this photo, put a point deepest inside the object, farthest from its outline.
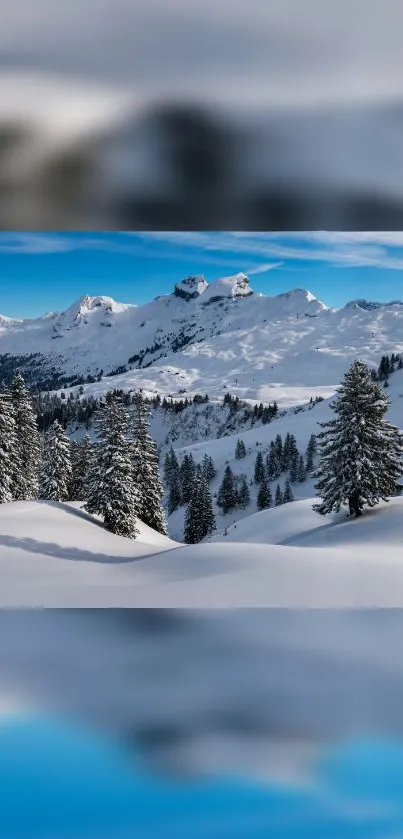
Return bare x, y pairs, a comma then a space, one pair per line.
55, 555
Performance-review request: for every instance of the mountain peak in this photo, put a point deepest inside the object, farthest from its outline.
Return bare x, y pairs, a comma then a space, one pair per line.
191, 287
235, 286
371, 305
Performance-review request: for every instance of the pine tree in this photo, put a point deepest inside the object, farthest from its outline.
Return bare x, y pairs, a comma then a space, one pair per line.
81, 461
294, 466
243, 494
199, 518
208, 468
167, 468
288, 496
112, 487
273, 463
264, 499
259, 468
227, 496
8, 444
187, 476
311, 450
384, 368
171, 466
209, 523
174, 497
28, 448
279, 447
278, 498
301, 476
240, 450
286, 453
146, 468
360, 453
56, 472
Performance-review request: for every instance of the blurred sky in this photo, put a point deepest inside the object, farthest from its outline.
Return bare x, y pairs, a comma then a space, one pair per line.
299, 50
42, 272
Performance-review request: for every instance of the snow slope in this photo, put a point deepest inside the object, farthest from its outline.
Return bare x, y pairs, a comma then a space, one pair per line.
55, 555
301, 424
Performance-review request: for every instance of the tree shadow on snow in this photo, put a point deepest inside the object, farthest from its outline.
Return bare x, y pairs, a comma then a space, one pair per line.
78, 512
57, 551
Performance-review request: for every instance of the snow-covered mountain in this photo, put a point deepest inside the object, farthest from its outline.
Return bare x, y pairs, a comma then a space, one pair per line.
205, 338
98, 334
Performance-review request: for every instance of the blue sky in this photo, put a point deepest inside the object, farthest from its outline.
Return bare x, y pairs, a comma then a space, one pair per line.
44, 271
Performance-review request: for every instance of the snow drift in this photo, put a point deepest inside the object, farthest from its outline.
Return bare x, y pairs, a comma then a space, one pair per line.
53, 554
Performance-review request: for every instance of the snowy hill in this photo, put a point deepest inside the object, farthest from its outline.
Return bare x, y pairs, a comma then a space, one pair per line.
205, 338
299, 423
56, 555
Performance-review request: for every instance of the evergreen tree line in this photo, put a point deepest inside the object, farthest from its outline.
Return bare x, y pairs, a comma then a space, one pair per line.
188, 484
20, 447
180, 477
117, 476
388, 365
120, 477
283, 457
234, 491
75, 407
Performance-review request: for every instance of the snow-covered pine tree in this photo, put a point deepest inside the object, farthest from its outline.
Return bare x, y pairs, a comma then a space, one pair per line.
243, 494
171, 466
174, 497
240, 450
279, 447
28, 447
167, 468
301, 477
294, 465
264, 499
56, 472
278, 498
199, 517
208, 468
311, 450
384, 368
227, 495
259, 468
273, 463
8, 443
187, 476
288, 495
360, 453
209, 523
112, 488
81, 462
286, 453
146, 466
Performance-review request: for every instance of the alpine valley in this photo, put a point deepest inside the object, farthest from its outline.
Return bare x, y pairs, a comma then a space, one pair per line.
226, 372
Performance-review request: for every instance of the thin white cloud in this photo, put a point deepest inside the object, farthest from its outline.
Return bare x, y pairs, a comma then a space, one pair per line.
270, 250
334, 249
262, 269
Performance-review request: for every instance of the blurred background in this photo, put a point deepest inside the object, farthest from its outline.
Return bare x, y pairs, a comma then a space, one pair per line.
169, 724
230, 115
